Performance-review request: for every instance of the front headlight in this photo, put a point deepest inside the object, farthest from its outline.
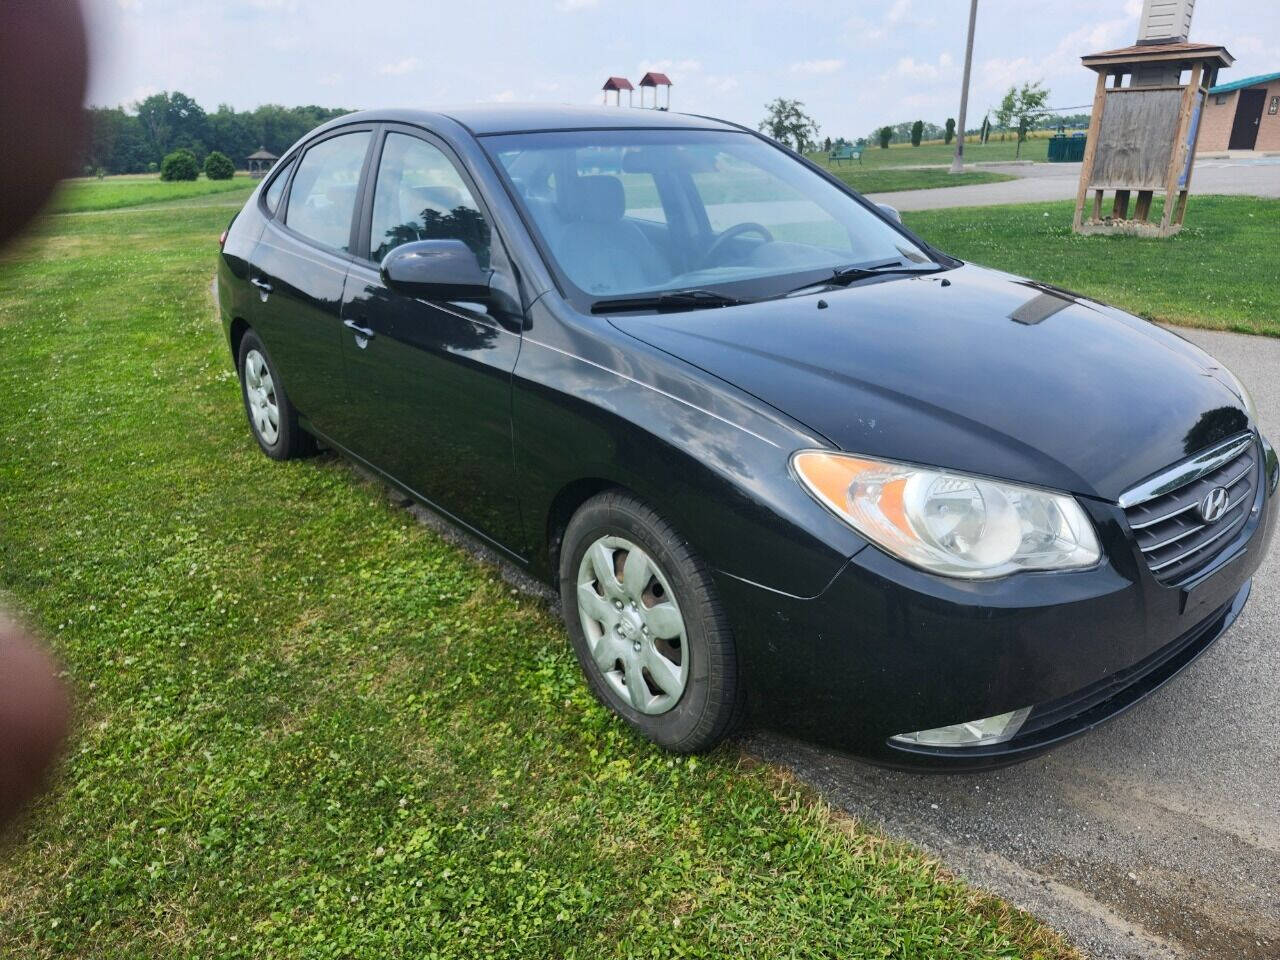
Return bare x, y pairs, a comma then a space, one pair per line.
950, 523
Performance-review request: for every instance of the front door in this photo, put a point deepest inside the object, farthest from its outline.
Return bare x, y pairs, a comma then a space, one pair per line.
429, 383
1244, 132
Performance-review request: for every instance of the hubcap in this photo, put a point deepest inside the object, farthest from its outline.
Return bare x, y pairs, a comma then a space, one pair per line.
633, 625
264, 409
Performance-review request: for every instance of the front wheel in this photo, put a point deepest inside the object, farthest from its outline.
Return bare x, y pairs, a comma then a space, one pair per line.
646, 625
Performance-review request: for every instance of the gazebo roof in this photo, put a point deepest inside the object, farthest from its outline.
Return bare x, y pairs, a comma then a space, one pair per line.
262, 153
617, 83
653, 79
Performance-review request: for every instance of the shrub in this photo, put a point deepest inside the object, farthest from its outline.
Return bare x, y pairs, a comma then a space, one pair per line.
180, 165
218, 166
950, 130
885, 134
153, 167
917, 131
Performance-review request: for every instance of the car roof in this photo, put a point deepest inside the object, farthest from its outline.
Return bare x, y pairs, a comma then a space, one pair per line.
483, 119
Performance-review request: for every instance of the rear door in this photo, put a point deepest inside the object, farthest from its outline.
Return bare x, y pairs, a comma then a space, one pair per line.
300, 269
430, 382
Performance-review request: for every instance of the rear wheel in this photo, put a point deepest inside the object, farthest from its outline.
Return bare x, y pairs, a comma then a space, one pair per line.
272, 418
648, 629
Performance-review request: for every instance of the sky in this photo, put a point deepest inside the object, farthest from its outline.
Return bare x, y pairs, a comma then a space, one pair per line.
855, 65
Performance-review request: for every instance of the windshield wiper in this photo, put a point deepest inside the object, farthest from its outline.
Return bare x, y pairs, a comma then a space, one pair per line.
671, 300
843, 276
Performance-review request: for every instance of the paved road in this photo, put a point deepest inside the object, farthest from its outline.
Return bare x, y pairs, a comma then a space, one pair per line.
1155, 836
1036, 182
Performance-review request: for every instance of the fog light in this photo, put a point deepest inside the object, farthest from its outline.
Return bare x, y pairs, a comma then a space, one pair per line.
975, 733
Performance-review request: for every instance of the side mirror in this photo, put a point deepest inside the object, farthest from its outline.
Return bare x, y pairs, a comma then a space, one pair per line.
436, 270
892, 212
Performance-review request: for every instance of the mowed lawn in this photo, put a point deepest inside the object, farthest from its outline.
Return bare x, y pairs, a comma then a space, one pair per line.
308, 727
112, 193
940, 154
884, 180
1219, 272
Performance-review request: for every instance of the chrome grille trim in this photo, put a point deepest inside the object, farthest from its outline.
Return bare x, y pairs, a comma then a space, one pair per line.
1186, 472
1175, 542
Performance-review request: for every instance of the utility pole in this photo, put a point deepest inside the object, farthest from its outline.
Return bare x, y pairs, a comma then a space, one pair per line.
957, 165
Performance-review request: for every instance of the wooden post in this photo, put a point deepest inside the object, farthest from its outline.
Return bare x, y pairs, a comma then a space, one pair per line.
1091, 148
1178, 155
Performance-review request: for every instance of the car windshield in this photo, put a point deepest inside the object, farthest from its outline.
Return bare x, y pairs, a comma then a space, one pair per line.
642, 212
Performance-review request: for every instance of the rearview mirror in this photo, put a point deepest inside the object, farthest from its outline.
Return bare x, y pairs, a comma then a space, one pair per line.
892, 212
436, 270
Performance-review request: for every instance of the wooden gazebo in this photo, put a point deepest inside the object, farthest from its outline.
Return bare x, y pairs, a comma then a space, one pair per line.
617, 85
260, 161
655, 80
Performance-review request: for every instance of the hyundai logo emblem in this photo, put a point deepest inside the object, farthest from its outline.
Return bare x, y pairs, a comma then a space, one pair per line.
1214, 505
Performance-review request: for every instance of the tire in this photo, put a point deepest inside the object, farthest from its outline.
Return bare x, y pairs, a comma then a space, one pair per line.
669, 612
272, 418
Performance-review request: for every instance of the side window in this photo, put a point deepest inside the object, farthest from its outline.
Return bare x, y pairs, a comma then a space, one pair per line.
323, 196
420, 196
275, 189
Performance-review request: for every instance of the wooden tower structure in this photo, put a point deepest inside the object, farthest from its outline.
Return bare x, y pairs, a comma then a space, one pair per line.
1144, 125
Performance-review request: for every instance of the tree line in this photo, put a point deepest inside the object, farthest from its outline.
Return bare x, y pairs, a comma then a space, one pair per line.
138, 138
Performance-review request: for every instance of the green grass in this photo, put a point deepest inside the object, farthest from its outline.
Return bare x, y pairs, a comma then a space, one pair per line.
309, 728
886, 180
903, 154
1219, 272
111, 193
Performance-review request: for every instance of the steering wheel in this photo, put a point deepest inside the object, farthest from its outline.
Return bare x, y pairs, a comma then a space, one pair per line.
737, 230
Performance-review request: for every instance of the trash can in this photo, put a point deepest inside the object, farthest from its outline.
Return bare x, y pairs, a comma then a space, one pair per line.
1066, 149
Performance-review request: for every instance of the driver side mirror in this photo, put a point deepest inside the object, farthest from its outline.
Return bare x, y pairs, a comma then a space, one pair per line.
891, 212
436, 270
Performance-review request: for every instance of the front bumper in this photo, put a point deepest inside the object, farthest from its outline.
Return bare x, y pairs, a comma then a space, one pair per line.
887, 648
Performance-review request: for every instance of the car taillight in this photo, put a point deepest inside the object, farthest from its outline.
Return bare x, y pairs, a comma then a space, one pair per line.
222, 240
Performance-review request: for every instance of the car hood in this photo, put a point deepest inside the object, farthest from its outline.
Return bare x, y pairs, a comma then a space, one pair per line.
969, 369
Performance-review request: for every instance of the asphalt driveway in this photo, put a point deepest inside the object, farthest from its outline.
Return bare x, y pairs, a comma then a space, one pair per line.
1256, 176
1155, 836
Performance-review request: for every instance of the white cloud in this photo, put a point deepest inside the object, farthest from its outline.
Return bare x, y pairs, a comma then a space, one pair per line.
330, 80
569, 6
400, 67
817, 67
913, 69
132, 6
722, 84
669, 67
502, 96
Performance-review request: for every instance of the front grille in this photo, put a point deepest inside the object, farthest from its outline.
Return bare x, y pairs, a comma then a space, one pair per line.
1164, 513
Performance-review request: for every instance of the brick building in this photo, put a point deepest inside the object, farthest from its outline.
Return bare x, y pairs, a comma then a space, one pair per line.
1243, 115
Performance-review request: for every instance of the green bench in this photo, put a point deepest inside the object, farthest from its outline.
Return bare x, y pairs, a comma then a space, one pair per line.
840, 154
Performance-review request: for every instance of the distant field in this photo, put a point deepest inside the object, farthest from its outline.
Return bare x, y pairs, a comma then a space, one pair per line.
886, 180
903, 154
111, 193
1219, 272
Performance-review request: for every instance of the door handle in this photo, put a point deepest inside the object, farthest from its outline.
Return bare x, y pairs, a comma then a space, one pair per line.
264, 288
362, 332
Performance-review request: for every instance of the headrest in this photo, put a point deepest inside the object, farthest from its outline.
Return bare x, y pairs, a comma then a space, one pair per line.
597, 199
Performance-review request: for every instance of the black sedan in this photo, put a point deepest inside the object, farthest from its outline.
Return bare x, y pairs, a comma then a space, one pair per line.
774, 449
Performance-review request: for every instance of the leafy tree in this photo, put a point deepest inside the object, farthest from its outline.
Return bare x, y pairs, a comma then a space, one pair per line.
1023, 107
826, 145
985, 131
218, 166
180, 165
885, 134
787, 123
173, 120
950, 132
917, 131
